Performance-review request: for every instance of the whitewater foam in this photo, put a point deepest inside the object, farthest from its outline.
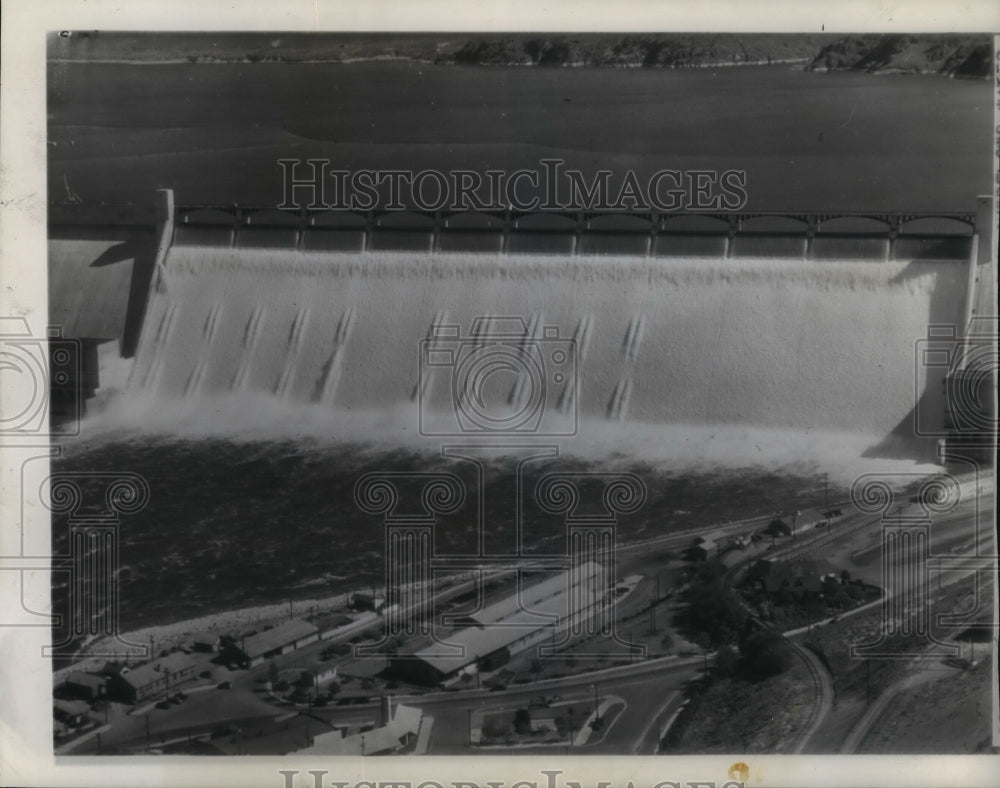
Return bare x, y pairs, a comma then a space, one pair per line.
699, 361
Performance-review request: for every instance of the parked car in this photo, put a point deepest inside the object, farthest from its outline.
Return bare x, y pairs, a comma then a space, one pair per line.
163, 704
225, 685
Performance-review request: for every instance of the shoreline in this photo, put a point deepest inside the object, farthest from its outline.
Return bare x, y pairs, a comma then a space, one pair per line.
795, 63
166, 636
225, 622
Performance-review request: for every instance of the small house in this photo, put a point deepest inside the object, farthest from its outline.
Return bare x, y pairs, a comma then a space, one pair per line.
71, 713
86, 686
365, 600
152, 678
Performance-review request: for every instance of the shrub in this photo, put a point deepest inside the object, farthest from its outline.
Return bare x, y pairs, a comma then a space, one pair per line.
494, 728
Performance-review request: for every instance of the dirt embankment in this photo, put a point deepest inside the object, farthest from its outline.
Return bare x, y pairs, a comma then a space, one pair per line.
960, 722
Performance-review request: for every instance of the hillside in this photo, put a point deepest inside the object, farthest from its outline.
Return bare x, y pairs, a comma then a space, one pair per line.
956, 55
959, 56
639, 50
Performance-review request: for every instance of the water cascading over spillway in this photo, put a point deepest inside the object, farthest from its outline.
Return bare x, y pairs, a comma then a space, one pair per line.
787, 344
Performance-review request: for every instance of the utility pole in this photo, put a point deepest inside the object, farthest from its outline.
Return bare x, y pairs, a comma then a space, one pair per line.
826, 494
470, 726
868, 682
571, 727
99, 752
147, 730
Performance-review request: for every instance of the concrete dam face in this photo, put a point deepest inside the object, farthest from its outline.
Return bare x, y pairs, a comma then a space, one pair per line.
462, 343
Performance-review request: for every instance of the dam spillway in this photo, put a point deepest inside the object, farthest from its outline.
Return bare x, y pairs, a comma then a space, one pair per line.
786, 333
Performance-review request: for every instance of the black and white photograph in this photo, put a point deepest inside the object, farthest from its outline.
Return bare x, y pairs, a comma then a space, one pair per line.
509, 393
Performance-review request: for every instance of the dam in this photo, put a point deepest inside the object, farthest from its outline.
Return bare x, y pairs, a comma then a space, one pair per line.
801, 322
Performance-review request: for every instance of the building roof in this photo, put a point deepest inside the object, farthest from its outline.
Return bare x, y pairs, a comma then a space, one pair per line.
514, 605
152, 671
802, 518
405, 722
544, 604
801, 572
277, 637
74, 708
85, 679
809, 516
406, 719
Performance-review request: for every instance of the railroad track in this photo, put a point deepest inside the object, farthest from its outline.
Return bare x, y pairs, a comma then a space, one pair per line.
821, 680
795, 550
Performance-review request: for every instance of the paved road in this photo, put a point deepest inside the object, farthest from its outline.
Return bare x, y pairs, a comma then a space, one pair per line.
961, 530
651, 691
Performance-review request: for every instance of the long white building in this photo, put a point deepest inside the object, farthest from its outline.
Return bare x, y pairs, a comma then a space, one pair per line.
488, 638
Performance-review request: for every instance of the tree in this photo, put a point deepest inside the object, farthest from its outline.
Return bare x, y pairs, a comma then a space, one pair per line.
709, 606
522, 721
765, 654
726, 661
